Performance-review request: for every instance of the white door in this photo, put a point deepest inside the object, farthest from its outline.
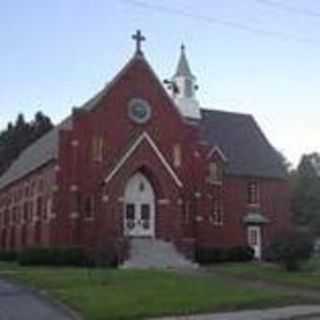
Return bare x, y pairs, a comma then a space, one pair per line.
139, 207
255, 240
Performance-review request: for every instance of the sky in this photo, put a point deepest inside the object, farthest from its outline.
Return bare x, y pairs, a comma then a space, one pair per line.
250, 56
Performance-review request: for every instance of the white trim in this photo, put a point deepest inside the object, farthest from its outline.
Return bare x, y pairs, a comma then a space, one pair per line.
105, 198
74, 188
179, 202
197, 195
163, 201
74, 215
254, 205
89, 219
213, 221
219, 151
141, 138
137, 199
147, 107
215, 183
257, 247
52, 216
75, 143
196, 154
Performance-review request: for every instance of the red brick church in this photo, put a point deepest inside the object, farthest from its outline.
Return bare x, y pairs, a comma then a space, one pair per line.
143, 159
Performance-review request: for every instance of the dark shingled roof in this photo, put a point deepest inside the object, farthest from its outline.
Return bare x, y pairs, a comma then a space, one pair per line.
247, 150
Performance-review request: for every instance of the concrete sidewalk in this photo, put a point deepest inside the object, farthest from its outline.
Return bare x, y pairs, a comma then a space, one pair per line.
285, 313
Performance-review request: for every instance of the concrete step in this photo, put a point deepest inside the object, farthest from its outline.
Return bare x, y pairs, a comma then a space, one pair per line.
146, 253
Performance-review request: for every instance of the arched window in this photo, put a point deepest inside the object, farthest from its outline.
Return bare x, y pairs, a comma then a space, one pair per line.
89, 208
216, 217
39, 207
97, 149
253, 193
215, 173
177, 155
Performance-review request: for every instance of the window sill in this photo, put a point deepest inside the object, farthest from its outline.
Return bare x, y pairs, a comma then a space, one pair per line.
214, 182
217, 224
253, 205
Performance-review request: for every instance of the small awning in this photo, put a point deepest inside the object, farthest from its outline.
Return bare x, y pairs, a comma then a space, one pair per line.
255, 218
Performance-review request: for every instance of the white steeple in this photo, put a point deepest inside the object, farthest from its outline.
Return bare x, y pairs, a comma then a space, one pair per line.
184, 88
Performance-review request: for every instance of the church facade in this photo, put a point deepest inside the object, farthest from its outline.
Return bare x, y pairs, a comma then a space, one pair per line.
142, 159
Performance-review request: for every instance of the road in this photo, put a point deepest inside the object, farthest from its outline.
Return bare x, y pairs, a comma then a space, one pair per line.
17, 303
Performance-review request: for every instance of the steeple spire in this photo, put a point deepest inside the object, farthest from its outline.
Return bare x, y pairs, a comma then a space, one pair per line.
183, 88
183, 68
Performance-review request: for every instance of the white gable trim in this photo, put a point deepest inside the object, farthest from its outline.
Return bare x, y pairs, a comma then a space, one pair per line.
219, 151
141, 138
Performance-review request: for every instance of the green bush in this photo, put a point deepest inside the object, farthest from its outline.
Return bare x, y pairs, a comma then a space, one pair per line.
215, 255
240, 254
290, 249
8, 255
53, 257
105, 258
205, 255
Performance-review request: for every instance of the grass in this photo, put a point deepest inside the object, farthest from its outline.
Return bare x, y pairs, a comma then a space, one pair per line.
130, 294
308, 277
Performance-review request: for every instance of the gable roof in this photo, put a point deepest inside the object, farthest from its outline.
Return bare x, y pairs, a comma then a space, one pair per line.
239, 137
46, 148
248, 151
144, 137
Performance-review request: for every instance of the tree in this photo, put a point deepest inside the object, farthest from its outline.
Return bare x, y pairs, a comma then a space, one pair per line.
41, 125
287, 165
291, 248
19, 135
306, 193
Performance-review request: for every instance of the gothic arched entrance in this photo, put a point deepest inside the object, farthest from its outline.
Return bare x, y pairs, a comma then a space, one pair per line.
139, 207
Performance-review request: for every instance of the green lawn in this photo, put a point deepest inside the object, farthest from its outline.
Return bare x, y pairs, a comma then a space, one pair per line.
308, 277
128, 294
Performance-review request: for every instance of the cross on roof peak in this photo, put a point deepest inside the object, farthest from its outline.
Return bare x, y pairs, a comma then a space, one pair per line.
138, 37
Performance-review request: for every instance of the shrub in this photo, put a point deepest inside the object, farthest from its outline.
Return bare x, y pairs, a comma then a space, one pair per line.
105, 258
290, 249
8, 255
52, 257
215, 255
240, 254
210, 255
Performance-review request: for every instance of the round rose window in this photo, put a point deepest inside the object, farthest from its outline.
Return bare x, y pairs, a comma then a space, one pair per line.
139, 111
